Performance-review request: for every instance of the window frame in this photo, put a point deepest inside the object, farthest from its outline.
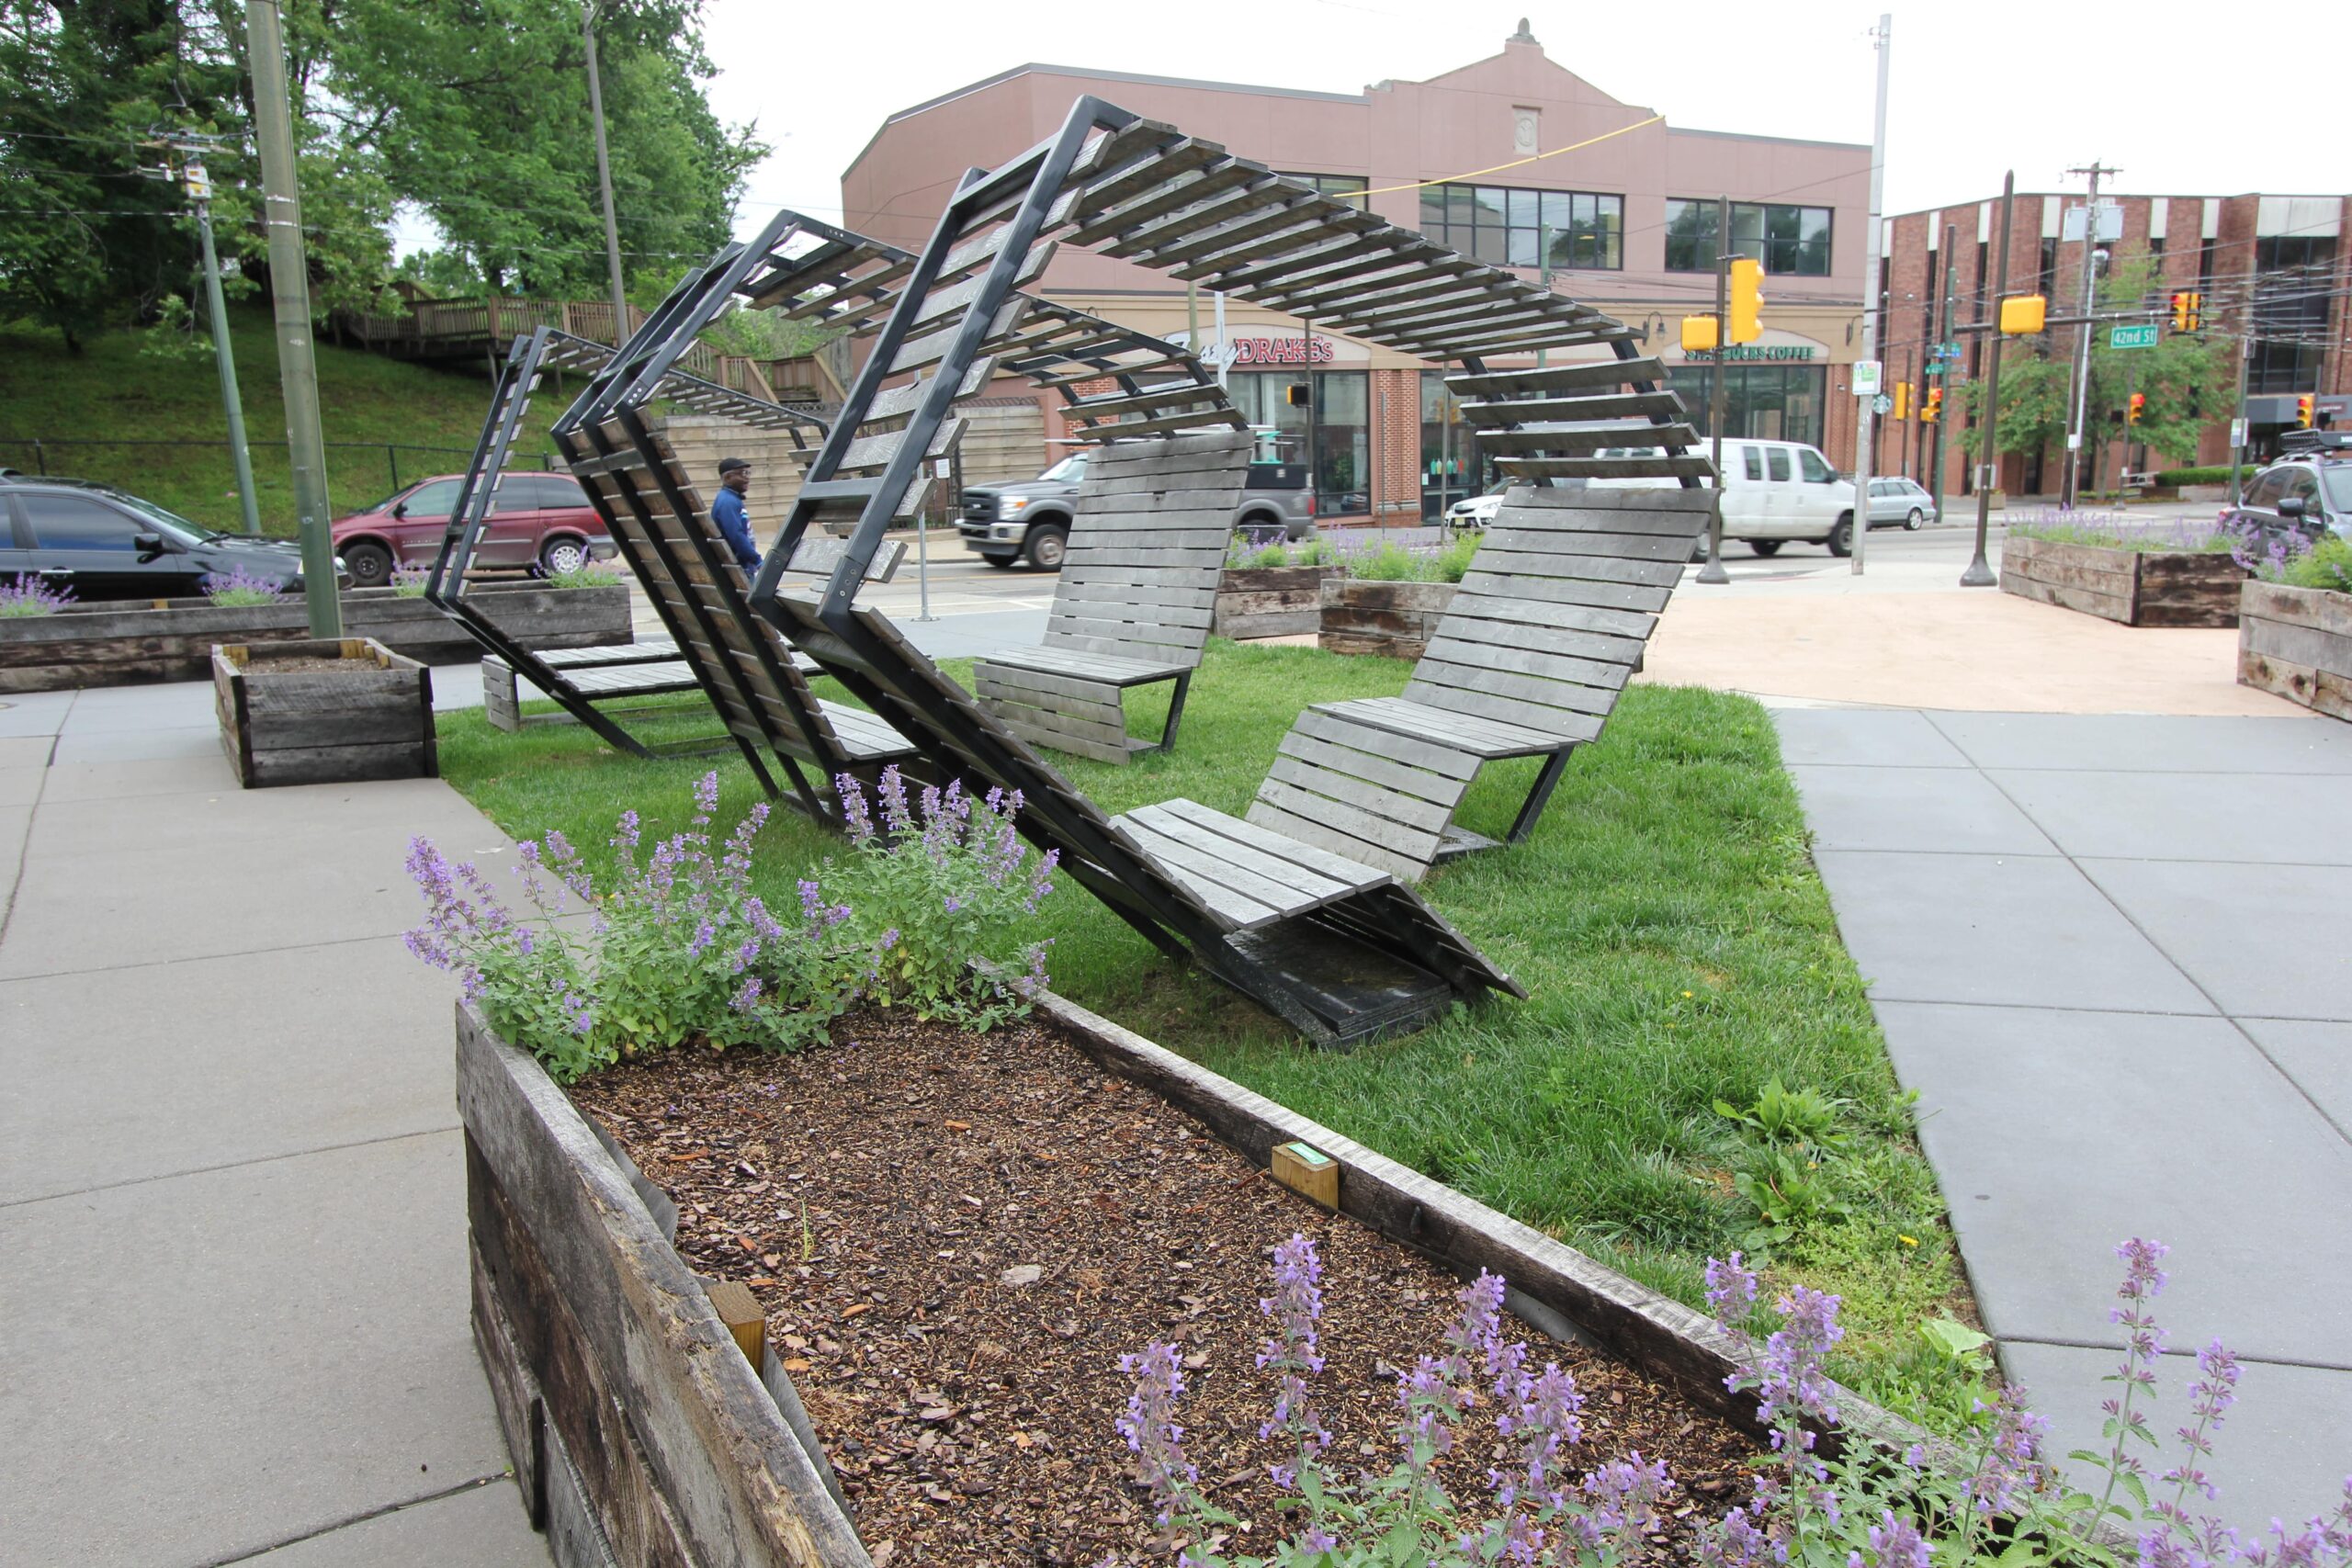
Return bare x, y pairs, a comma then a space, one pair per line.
1509, 230
1762, 243
28, 500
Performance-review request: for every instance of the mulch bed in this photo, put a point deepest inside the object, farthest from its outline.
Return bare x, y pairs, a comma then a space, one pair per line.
956, 1237
307, 664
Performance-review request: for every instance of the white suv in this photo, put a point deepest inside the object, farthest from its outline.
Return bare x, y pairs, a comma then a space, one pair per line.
1773, 491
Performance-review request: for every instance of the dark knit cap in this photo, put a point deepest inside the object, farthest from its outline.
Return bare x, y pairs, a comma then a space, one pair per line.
729, 465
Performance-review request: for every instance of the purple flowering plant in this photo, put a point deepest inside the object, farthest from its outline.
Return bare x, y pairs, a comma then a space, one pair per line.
680, 948
1992, 1499
946, 892
238, 587
1532, 1508
26, 594
410, 582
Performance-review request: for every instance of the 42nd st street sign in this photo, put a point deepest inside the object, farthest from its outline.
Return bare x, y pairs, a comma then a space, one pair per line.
2132, 337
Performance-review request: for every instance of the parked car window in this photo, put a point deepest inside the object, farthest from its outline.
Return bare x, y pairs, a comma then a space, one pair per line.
555, 492
439, 498
2304, 483
1755, 462
76, 523
1816, 472
515, 492
2265, 488
1777, 459
2338, 478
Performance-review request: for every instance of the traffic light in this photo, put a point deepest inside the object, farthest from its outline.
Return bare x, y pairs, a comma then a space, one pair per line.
1698, 334
1746, 299
1297, 395
1933, 410
2022, 317
2303, 412
2187, 311
2139, 403
1903, 400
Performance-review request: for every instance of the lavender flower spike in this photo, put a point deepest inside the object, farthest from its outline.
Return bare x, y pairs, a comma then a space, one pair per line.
1149, 1426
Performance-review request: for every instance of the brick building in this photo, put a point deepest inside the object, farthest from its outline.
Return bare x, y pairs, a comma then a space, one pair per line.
1628, 220
2273, 270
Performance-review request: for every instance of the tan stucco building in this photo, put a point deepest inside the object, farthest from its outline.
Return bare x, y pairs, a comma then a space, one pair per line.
1490, 159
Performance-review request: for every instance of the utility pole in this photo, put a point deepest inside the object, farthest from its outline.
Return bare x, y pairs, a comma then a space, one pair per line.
289, 285
1865, 418
604, 174
1943, 378
1979, 574
2070, 492
2237, 425
198, 183
1713, 571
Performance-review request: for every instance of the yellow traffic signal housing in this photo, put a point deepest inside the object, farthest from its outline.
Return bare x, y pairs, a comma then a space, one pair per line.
1698, 334
1903, 400
1297, 395
2022, 317
1933, 410
2187, 311
1747, 299
2303, 406
2139, 405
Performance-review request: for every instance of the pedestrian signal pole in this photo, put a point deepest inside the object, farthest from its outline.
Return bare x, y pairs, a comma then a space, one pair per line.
1865, 418
1979, 574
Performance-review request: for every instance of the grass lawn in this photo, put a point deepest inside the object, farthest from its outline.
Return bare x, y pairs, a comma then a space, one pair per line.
113, 393
1665, 920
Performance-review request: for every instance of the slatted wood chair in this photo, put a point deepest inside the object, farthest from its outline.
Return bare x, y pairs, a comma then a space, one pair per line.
1528, 661
1137, 594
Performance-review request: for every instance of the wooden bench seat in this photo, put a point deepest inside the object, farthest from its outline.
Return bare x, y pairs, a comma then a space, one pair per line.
645, 652
1136, 595
1528, 660
1245, 876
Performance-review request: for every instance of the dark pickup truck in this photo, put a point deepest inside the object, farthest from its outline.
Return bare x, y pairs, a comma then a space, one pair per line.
1030, 518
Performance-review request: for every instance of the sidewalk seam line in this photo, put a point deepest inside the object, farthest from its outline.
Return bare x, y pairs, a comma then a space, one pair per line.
228, 1164
24, 844
475, 1484
2161, 951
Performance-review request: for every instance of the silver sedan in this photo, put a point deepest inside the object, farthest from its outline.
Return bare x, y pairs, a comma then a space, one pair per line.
1898, 501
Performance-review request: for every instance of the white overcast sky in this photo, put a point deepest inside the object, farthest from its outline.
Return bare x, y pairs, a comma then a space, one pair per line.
2185, 99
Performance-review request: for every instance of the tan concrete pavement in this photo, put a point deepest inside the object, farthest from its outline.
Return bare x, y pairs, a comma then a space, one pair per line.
1980, 650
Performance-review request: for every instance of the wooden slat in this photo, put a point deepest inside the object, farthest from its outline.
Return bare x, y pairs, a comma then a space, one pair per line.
1664, 544
1693, 467
1301, 882
1480, 736
1500, 442
1607, 405
1585, 568
1358, 875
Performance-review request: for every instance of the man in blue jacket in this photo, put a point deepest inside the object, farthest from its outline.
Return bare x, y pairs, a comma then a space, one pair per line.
727, 511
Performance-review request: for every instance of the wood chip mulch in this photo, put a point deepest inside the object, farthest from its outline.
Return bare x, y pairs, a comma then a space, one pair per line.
954, 1238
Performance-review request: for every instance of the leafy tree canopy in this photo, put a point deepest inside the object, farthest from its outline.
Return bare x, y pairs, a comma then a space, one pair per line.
472, 114
2188, 380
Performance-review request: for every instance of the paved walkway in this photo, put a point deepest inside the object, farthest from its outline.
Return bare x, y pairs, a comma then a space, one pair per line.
2111, 954
232, 1313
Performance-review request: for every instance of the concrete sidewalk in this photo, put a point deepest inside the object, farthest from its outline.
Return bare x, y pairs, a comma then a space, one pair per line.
2110, 953
232, 1186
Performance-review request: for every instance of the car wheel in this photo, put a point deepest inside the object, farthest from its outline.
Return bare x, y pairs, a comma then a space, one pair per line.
1841, 538
1913, 522
1047, 546
370, 565
561, 554
1768, 549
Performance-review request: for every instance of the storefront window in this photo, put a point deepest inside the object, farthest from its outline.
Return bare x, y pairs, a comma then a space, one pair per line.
1451, 466
1765, 402
1349, 189
1342, 432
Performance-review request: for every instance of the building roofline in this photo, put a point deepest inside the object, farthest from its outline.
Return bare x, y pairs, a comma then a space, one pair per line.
2130, 195
1752, 136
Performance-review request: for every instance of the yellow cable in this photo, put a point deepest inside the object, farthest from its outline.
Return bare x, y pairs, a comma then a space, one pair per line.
1536, 158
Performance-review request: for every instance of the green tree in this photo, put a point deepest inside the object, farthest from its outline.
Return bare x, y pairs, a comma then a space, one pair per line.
2186, 380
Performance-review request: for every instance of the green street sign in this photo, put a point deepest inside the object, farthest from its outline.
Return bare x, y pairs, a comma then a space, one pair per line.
2132, 337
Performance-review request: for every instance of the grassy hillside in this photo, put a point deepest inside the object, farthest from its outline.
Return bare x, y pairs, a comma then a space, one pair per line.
114, 395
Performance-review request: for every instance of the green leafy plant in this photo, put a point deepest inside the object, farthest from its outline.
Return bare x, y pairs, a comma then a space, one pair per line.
1791, 1192
2327, 564
1452, 563
1319, 552
1782, 1115
588, 574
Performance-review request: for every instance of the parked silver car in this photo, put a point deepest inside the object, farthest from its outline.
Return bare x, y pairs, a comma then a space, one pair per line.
1898, 501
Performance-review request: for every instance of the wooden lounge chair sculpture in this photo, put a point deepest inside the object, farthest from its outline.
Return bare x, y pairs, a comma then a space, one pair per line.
1338, 948
585, 683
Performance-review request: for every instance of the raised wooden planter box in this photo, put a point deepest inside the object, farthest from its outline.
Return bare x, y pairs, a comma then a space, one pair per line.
639, 1429
1273, 600
2296, 642
1392, 619
371, 719
2138, 588
129, 643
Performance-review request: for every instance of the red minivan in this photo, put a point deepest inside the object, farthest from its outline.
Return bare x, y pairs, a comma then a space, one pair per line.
539, 521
